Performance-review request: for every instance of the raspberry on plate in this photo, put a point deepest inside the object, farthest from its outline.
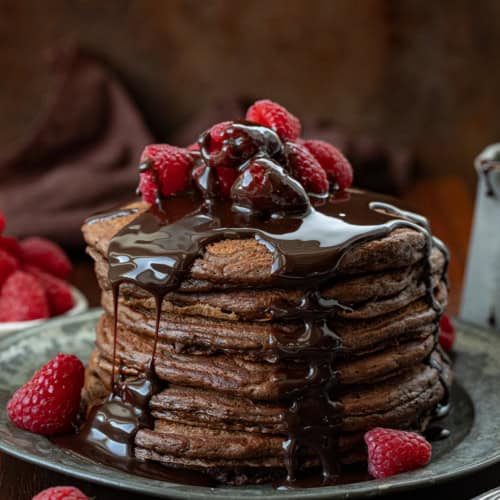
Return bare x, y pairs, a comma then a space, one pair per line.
393, 451
22, 298
61, 493
306, 169
276, 117
8, 264
446, 333
49, 402
337, 167
58, 292
46, 255
169, 172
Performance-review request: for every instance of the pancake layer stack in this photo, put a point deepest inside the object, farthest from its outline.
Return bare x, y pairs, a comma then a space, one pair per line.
223, 405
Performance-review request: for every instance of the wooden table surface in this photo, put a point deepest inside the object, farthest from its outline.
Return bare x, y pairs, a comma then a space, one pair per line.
447, 202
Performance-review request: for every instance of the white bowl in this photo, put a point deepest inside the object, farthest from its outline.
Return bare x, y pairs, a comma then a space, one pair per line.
80, 305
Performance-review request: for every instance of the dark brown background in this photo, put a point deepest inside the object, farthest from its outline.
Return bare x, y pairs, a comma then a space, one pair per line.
422, 74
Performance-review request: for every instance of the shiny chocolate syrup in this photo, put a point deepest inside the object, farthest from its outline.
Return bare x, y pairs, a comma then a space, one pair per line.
157, 249
110, 215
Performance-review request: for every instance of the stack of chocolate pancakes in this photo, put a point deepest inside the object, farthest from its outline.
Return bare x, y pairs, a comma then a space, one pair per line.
255, 348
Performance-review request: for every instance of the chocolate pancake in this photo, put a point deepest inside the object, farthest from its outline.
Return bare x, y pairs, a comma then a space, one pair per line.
224, 350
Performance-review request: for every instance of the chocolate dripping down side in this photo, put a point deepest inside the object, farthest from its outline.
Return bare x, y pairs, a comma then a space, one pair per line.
156, 251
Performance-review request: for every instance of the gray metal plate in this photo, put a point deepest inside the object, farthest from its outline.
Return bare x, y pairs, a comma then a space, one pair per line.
474, 421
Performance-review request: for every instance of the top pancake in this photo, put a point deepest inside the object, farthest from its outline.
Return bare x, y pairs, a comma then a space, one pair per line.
246, 262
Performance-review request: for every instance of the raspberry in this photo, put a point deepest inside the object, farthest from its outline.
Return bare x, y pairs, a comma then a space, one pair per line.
49, 402
218, 131
306, 169
392, 451
169, 172
58, 292
276, 117
264, 187
335, 164
11, 245
46, 255
61, 493
22, 298
8, 264
225, 179
447, 333
2, 222
193, 147
228, 144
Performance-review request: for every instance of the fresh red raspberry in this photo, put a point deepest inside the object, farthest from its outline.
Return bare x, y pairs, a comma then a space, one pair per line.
46, 255
193, 147
22, 298
49, 402
8, 264
272, 115
337, 168
58, 292
2, 222
218, 131
447, 333
306, 169
392, 451
217, 136
169, 173
11, 245
61, 493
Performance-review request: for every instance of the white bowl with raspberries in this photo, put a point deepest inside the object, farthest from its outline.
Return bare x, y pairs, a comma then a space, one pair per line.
80, 306
34, 285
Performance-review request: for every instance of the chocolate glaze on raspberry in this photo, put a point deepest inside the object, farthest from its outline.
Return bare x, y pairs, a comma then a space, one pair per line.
243, 140
157, 249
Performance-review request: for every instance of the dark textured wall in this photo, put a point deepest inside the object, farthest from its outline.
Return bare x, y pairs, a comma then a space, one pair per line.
423, 74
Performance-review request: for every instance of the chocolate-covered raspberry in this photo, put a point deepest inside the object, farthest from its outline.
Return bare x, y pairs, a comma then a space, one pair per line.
265, 187
231, 144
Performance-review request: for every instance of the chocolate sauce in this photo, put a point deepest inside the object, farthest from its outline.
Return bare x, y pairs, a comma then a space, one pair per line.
110, 215
243, 140
156, 251
147, 166
492, 320
356, 473
75, 444
436, 433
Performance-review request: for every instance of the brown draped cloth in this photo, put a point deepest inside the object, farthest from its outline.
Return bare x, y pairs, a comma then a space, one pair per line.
80, 158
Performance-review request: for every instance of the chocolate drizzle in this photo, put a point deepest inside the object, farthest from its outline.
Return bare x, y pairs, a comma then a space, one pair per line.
110, 215
157, 249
